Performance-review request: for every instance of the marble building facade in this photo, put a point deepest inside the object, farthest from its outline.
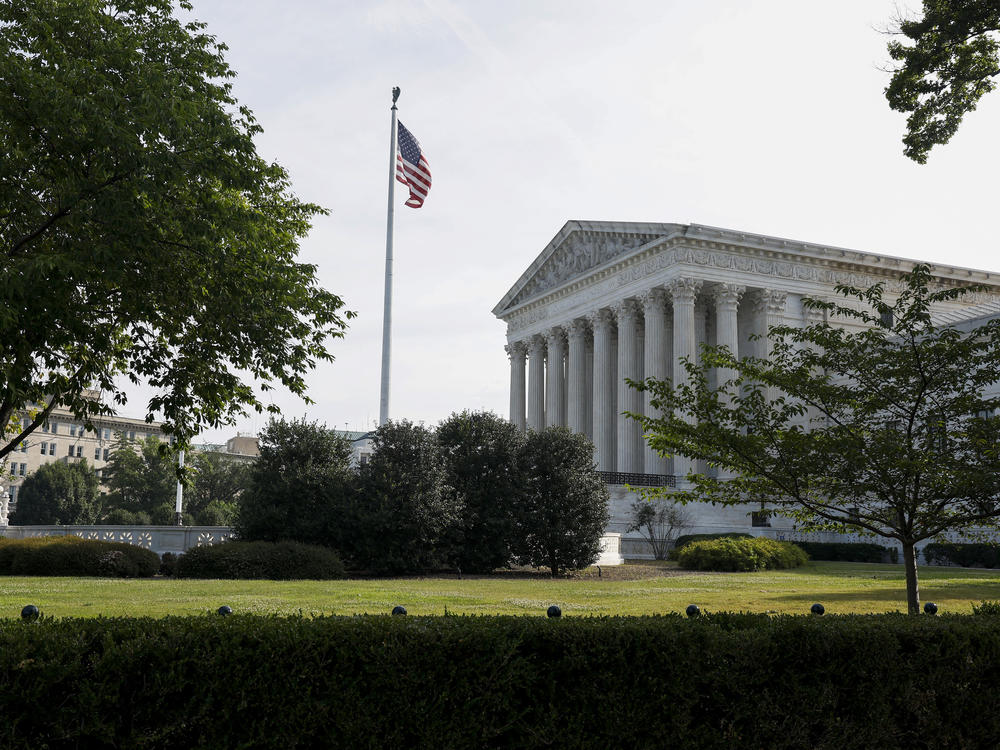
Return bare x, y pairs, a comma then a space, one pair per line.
609, 301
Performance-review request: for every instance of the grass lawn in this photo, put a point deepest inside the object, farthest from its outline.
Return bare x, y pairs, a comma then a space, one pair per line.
638, 589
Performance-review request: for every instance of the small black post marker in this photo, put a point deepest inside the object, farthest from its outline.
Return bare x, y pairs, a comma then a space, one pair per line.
398, 610
29, 613
817, 609
553, 611
225, 610
692, 610
930, 608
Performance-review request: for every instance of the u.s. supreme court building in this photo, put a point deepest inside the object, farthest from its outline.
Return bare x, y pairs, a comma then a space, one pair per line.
606, 301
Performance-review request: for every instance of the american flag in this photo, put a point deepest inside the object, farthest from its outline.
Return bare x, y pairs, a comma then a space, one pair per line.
411, 168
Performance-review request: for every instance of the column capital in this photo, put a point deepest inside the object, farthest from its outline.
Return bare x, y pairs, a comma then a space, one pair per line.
625, 309
516, 349
536, 345
683, 290
555, 335
728, 295
601, 319
653, 300
577, 328
774, 300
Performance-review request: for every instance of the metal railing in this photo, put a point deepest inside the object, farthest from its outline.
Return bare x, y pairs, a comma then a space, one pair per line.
638, 480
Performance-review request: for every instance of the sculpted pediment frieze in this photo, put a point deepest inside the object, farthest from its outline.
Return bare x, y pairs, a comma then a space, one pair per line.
580, 252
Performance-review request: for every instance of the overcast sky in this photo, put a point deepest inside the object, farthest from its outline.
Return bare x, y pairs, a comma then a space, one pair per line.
762, 116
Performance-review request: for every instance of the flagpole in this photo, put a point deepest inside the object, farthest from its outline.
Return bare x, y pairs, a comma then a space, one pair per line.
383, 411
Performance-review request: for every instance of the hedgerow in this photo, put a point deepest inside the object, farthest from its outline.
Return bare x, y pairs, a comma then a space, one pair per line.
729, 554
72, 556
983, 555
849, 551
717, 681
270, 560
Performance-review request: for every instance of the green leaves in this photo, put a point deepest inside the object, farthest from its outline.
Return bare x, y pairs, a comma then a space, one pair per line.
140, 231
951, 64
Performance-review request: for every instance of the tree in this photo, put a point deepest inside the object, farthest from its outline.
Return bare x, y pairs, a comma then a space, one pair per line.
301, 487
142, 478
58, 493
216, 484
883, 429
482, 453
660, 520
564, 509
950, 65
140, 231
405, 506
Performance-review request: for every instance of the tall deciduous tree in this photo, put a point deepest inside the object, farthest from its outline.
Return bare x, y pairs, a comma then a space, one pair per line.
564, 508
301, 487
58, 493
217, 481
482, 453
140, 232
884, 429
948, 63
142, 478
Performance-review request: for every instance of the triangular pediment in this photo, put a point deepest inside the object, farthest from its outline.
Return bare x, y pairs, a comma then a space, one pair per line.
576, 250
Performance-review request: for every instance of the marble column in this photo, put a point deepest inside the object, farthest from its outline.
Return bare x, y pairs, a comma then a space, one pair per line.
629, 455
602, 321
536, 383
576, 375
683, 292
555, 369
655, 344
727, 300
773, 307
516, 351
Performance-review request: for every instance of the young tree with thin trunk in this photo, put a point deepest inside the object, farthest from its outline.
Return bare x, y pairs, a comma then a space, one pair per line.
884, 428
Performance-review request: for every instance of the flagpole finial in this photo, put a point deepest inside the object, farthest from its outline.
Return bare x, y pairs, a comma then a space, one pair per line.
395, 95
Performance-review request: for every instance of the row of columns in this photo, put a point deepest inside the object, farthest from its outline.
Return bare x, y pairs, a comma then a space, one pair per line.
577, 372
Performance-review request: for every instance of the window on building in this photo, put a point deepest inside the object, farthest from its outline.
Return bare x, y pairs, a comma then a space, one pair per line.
13, 492
760, 518
13, 469
24, 470
885, 319
24, 447
45, 426
107, 434
105, 454
131, 434
52, 449
71, 450
97, 454
55, 428
45, 448
72, 429
79, 451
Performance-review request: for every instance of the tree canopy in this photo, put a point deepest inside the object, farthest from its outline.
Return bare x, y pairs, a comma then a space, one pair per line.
883, 426
142, 235
947, 64
58, 493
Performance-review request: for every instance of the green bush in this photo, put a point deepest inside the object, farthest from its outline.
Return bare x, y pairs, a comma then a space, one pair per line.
730, 554
72, 556
991, 608
272, 560
685, 539
168, 564
849, 551
963, 555
716, 681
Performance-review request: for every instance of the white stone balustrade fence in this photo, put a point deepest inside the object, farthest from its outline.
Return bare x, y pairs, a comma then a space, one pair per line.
160, 539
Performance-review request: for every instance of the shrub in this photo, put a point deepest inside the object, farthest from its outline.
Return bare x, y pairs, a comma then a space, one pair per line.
991, 608
963, 555
168, 564
271, 560
729, 554
72, 556
686, 539
848, 552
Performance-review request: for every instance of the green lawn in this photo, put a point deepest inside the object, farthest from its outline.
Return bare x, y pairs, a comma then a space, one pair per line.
841, 587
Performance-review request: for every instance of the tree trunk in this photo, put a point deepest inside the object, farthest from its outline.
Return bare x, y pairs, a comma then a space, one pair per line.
912, 587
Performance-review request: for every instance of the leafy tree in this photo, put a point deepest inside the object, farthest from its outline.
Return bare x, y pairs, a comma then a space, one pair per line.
482, 453
58, 493
564, 509
405, 506
949, 62
140, 231
301, 487
882, 428
216, 483
660, 520
142, 477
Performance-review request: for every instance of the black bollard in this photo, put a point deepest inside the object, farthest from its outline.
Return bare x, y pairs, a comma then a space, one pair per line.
692, 610
225, 610
30, 613
554, 611
817, 609
930, 608
398, 610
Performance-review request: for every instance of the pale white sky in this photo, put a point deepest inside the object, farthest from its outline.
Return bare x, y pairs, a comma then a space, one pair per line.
764, 116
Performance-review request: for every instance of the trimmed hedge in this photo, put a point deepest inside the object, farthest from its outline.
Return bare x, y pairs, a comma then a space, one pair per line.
72, 556
963, 555
278, 561
849, 552
730, 554
717, 681
685, 539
